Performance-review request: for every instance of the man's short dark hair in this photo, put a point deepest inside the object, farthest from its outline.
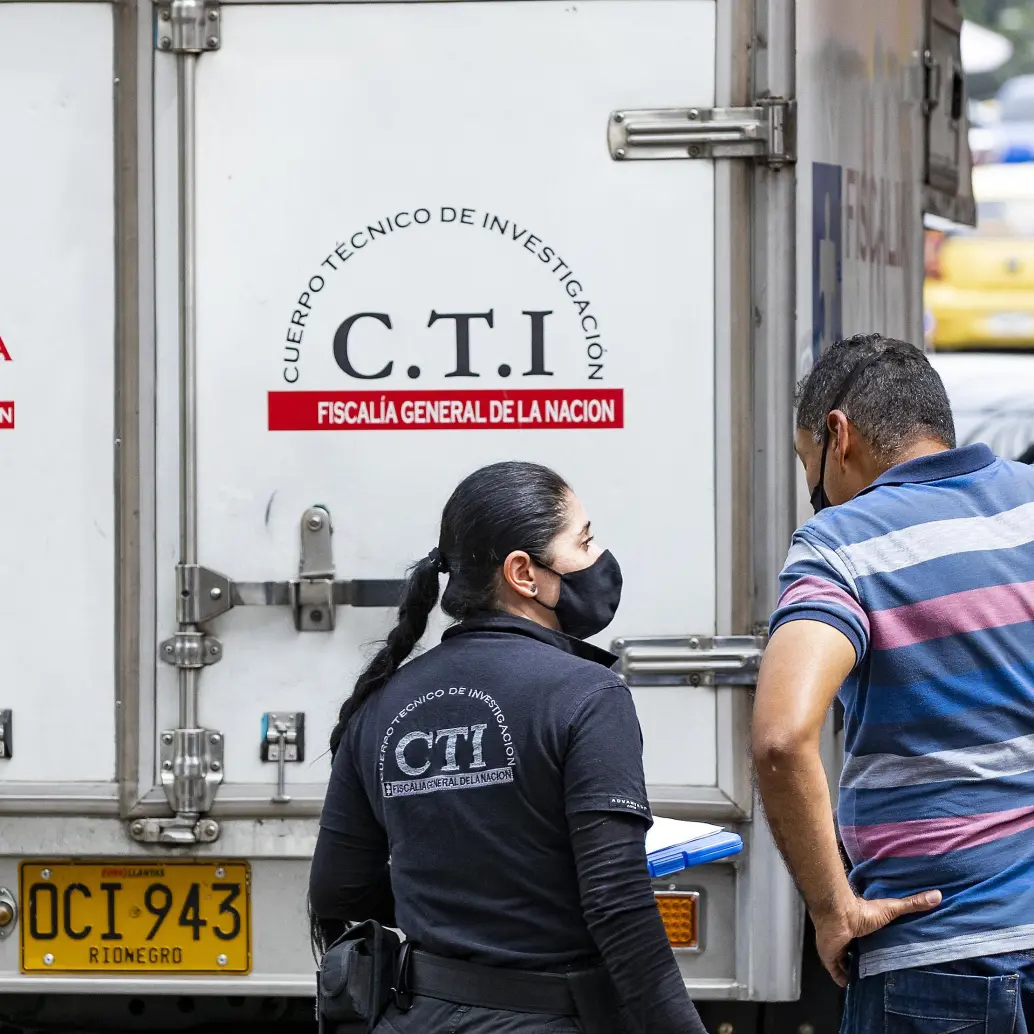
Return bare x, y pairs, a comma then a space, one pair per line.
896, 399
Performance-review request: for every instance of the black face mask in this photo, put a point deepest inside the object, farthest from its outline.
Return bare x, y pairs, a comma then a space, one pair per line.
588, 598
819, 499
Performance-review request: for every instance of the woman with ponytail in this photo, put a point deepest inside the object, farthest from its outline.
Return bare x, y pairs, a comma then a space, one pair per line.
501, 773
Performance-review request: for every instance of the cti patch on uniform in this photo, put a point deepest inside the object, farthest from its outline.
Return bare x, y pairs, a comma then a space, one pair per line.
418, 757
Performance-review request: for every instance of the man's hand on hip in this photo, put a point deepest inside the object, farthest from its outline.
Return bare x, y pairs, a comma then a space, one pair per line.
835, 931
804, 665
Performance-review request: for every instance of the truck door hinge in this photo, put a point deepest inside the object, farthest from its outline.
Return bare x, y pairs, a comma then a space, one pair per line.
765, 132
313, 597
187, 26
931, 82
731, 660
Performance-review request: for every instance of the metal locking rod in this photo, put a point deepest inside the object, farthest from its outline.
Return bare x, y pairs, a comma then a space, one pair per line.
186, 78
190, 756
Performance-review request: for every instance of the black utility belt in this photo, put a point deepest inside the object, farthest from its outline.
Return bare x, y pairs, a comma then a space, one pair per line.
489, 987
370, 966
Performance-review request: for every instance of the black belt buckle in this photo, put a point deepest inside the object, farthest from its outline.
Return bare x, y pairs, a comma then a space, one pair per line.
401, 993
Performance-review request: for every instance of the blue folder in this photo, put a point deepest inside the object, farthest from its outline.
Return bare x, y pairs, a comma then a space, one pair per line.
696, 852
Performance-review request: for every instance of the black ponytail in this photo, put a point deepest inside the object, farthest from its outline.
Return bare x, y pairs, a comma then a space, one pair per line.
418, 600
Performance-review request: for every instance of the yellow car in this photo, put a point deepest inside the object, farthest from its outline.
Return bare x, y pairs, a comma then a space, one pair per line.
979, 290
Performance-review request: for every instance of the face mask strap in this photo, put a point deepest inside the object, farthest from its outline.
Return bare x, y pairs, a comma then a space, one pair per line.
545, 567
819, 500
838, 400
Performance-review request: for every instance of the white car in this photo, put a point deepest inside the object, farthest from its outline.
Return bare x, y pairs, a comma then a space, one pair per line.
992, 396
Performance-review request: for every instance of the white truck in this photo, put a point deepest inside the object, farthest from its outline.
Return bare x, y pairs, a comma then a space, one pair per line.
275, 276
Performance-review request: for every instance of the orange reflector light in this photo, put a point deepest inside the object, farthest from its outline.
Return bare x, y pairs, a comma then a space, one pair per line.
679, 912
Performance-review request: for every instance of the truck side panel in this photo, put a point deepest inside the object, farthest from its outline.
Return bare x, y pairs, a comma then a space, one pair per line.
860, 170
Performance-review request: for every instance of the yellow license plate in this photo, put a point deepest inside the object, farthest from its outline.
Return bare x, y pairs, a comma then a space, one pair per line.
138, 916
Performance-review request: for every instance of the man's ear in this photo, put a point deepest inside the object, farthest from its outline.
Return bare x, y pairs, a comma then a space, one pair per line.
519, 573
840, 438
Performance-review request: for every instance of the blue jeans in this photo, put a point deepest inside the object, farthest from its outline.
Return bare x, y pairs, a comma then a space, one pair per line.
990, 995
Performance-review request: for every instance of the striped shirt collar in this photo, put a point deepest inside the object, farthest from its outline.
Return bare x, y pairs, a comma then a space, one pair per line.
939, 465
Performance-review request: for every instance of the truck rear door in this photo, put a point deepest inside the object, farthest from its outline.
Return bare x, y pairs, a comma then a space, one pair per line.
416, 256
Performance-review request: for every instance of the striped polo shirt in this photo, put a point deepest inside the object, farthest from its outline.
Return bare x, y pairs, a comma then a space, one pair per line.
929, 573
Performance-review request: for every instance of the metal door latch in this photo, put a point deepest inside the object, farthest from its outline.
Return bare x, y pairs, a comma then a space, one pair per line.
6, 735
766, 132
690, 661
191, 769
313, 596
283, 741
187, 26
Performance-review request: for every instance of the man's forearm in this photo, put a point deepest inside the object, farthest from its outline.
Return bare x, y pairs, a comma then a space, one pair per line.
796, 798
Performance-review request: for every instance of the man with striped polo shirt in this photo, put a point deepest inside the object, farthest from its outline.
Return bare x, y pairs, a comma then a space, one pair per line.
911, 592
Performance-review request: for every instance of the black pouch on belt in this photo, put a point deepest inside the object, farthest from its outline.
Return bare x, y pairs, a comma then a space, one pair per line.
355, 979
598, 1009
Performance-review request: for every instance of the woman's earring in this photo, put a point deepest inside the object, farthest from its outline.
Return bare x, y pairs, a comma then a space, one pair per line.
534, 590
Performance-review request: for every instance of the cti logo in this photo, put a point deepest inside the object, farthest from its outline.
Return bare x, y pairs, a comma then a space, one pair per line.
462, 339
419, 759
6, 408
499, 369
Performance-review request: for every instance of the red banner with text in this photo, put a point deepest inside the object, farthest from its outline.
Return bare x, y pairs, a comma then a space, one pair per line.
485, 410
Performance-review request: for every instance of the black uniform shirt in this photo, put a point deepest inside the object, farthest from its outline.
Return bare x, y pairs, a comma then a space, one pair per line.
467, 767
